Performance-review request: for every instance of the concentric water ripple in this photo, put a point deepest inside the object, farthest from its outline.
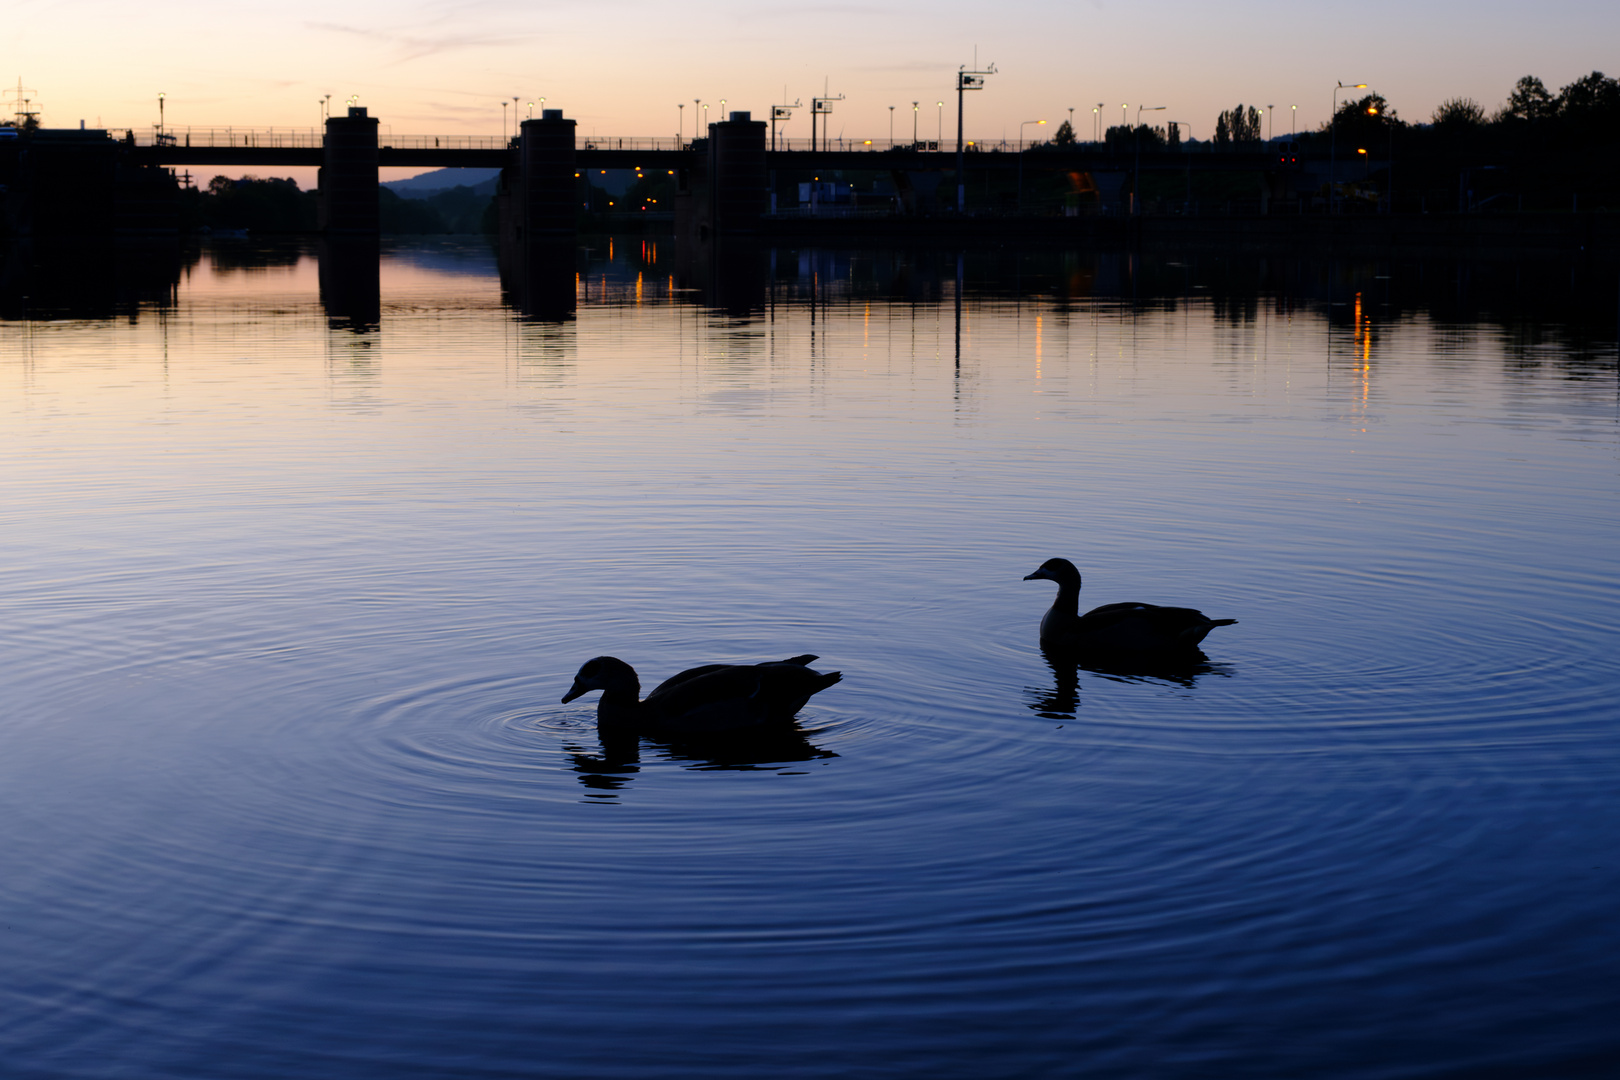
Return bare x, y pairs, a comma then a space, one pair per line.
288, 611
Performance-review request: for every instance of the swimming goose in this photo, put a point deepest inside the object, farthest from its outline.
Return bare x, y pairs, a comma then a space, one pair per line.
1115, 628
709, 700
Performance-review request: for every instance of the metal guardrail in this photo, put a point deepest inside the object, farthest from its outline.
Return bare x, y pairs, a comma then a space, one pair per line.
224, 138
310, 138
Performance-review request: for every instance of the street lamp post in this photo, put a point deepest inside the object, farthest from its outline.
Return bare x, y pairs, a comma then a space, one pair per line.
914, 105
1096, 123
1122, 107
1183, 124
1269, 129
161, 96
1136, 184
503, 120
1021, 128
722, 110
891, 127
1333, 145
940, 138
1293, 124
680, 124
1389, 164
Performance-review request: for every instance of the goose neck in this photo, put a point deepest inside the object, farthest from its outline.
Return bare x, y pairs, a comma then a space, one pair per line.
1068, 598
619, 706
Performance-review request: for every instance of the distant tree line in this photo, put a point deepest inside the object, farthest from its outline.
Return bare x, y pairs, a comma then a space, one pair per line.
1536, 151
275, 205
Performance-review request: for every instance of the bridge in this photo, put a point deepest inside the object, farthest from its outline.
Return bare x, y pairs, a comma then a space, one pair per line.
305, 147
725, 181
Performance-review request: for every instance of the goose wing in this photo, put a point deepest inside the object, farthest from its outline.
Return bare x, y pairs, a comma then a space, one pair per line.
1140, 627
709, 669
729, 697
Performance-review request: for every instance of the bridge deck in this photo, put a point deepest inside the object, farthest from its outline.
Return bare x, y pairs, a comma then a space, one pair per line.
389, 156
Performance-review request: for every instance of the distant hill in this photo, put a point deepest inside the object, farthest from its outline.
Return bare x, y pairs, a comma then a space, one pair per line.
481, 181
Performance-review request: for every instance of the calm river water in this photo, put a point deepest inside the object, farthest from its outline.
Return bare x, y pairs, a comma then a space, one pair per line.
290, 596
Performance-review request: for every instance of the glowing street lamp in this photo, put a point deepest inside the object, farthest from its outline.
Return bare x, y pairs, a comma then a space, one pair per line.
941, 136
914, 123
1096, 123
1333, 145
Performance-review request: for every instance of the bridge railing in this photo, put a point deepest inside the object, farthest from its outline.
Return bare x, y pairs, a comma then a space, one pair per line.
310, 138
272, 138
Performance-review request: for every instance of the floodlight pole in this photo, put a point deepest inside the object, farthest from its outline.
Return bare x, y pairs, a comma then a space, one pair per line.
965, 80
783, 113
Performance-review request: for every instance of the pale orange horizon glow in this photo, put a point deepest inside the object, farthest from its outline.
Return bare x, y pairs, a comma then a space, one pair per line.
623, 70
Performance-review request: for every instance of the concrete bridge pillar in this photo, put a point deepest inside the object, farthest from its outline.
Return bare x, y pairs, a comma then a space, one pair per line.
739, 184
538, 190
348, 177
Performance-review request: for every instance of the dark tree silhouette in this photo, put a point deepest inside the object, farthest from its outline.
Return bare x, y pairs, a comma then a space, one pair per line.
1239, 126
1529, 101
1459, 112
1064, 136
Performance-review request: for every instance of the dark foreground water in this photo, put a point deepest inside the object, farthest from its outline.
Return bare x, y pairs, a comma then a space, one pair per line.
288, 599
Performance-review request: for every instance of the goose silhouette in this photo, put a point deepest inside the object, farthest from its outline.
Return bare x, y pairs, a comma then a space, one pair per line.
715, 699
1127, 629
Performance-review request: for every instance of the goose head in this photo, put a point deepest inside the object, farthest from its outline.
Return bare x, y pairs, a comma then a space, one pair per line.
606, 673
1061, 571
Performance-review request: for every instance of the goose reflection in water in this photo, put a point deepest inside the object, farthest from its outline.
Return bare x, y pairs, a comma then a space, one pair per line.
1062, 700
610, 770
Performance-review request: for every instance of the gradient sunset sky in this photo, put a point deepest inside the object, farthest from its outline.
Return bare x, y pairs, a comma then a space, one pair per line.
621, 66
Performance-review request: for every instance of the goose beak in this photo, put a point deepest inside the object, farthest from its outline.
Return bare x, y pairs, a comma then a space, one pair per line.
574, 692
